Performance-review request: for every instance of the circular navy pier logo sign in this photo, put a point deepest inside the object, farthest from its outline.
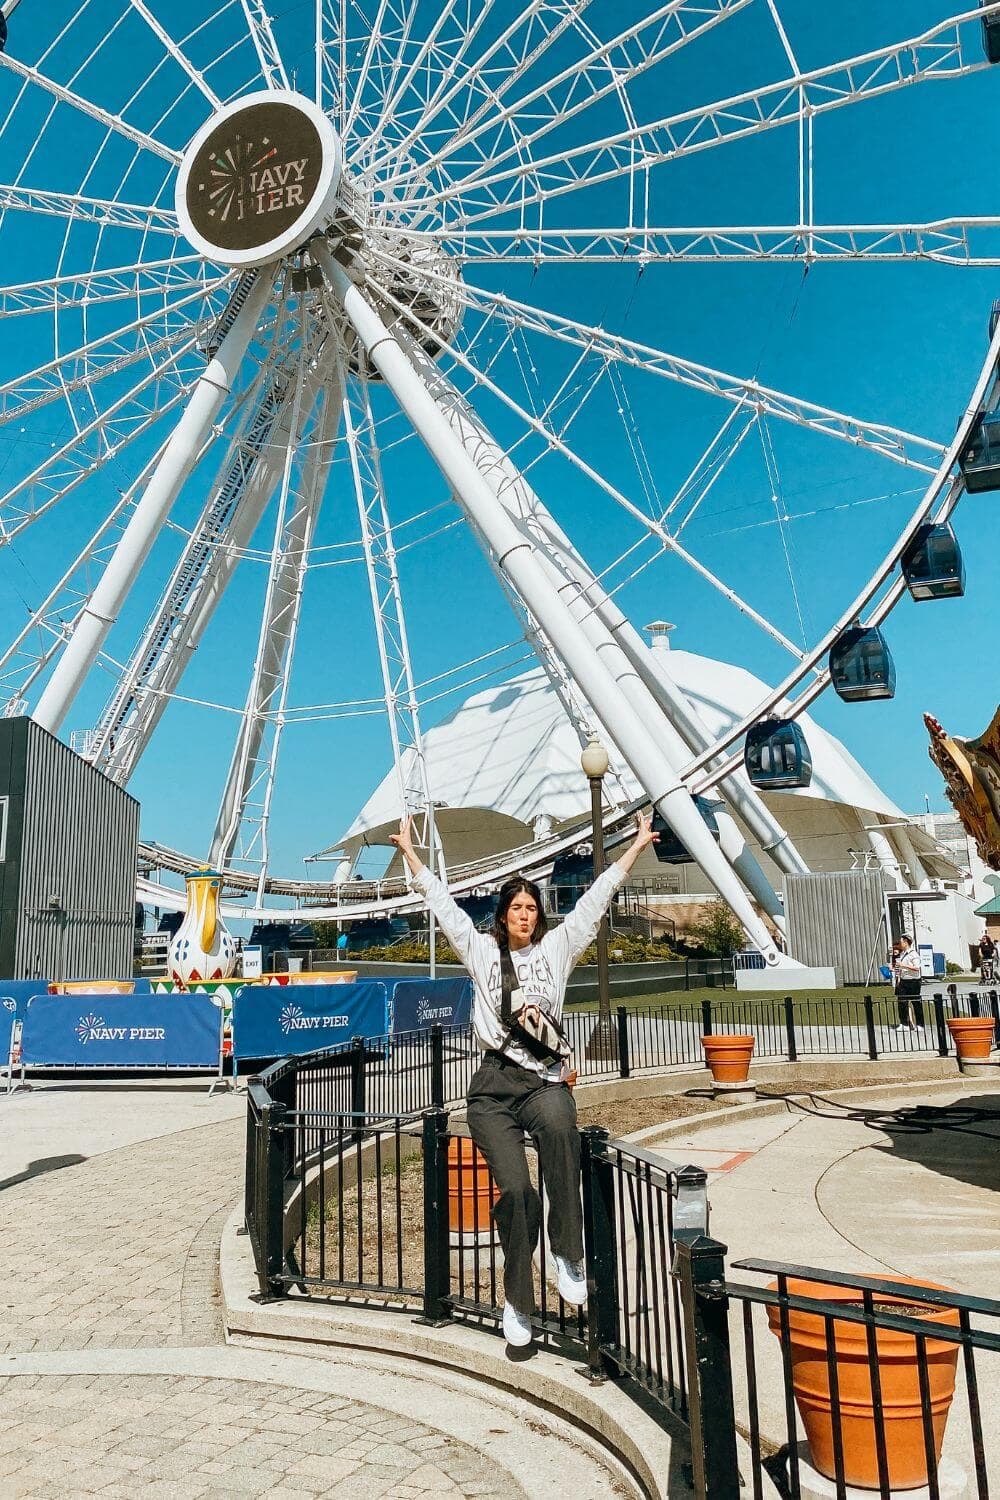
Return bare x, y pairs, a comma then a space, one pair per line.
259, 178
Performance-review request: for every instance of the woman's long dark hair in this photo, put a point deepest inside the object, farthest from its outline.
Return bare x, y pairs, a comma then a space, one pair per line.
511, 888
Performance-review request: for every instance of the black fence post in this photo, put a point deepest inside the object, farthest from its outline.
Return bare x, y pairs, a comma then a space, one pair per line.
273, 1228
793, 1055
283, 1091
358, 1078
437, 1066
974, 1008
870, 1028
251, 1208
939, 1025
995, 1007
700, 1266
706, 1018
624, 1061
437, 1259
687, 974
600, 1249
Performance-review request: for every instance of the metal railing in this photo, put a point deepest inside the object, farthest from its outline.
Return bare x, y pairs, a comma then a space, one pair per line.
872, 1383
346, 1202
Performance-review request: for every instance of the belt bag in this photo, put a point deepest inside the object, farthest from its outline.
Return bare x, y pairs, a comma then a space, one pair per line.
526, 1023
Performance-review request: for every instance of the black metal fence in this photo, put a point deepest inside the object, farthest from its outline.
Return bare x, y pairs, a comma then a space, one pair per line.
872, 1383
396, 1209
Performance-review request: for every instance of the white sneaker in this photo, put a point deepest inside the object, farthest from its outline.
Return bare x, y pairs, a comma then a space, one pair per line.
572, 1280
516, 1327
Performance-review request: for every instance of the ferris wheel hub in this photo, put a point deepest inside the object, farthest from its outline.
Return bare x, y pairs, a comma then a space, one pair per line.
259, 177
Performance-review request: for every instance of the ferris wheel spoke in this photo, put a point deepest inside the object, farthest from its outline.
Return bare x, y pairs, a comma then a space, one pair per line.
241, 830
82, 368
198, 79
889, 442
50, 622
107, 212
374, 43
244, 483
67, 96
92, 289
641, 46
948, 50
554, 441
99, 442
388, 615
961, 240
258, 24
456, 81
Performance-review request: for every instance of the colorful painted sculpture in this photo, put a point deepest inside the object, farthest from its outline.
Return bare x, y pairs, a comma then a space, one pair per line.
971, 770
202, 947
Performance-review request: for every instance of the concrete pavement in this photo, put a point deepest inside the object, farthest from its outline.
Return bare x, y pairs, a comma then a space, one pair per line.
115, 1378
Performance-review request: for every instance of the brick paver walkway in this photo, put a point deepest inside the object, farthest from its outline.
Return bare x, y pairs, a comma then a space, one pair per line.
114, 1260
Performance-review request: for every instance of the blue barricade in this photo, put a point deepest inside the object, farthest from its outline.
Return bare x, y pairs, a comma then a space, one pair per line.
282, 1020
121, 1031
15, 994
419, 1004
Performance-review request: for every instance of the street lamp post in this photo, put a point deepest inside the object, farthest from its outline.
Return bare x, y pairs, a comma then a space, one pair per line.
594, 761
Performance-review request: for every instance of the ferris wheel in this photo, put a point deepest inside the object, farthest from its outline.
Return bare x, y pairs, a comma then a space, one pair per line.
372, 301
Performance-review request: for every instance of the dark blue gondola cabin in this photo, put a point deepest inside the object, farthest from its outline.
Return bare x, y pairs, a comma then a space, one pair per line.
669, 849
776, 755
980, 459
861, 665
991, 33
932, 564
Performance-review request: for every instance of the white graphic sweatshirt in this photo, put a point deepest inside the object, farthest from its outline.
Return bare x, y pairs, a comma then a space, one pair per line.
542, 968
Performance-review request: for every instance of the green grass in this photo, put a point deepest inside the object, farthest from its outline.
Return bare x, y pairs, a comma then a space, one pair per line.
695, 996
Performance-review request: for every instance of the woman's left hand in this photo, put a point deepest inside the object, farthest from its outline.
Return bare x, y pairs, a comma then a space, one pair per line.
644, 834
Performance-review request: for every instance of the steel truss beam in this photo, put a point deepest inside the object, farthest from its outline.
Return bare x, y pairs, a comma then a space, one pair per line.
157, 278
176, 463
943, 51
259, 26
965, 241
889, 442
379, 548
104, 211
241, 830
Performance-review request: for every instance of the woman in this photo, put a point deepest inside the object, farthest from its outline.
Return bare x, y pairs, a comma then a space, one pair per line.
906, 973
515, 1090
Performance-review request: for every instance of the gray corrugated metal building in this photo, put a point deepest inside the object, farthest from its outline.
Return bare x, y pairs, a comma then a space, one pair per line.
68, 841
836, 919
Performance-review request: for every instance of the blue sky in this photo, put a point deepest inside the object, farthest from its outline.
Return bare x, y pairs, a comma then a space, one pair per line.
893, 343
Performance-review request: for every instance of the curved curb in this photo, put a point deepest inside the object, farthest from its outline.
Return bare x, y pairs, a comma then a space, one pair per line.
654, 1449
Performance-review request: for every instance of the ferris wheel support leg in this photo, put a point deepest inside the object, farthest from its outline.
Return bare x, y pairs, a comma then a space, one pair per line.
680, 712
518, 558
521, 502
101, 610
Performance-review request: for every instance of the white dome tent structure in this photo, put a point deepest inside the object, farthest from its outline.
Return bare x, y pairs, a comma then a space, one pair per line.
504, 770
327, 366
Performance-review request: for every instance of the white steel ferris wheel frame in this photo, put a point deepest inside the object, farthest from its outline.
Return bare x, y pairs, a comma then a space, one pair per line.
383, 277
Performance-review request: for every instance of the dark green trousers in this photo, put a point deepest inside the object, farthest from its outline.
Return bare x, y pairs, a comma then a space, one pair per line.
505, 1102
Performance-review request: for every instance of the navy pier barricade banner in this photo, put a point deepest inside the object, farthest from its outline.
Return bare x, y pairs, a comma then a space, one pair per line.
419, 1004
121, 1031
282, 1020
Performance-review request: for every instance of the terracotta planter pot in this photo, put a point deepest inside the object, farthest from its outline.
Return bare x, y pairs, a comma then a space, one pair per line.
898, 1376
973, 1036
728, 1057
471, 1195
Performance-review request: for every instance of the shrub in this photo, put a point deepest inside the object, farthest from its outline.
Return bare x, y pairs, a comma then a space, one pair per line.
717, 931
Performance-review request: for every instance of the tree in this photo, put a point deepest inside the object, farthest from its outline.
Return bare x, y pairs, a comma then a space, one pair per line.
718, 931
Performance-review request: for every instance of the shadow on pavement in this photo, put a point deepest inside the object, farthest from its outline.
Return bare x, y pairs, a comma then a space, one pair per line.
40, 1167
960, 1140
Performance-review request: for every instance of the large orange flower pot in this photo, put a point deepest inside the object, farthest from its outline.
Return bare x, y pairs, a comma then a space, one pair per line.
728, 1057
899, 1379
471, 1195
973, 1037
